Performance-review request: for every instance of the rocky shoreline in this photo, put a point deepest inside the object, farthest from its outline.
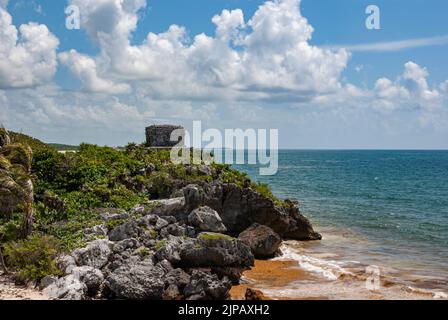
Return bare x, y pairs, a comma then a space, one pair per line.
193, 246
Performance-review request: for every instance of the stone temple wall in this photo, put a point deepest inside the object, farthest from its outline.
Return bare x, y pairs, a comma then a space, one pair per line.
159, 136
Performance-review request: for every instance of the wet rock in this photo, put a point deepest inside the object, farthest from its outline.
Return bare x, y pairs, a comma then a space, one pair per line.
206, 219
96, 254
262, 240
254, 295
67, 288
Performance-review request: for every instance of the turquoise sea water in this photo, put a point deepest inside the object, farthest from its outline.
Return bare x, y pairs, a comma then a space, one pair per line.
394, 203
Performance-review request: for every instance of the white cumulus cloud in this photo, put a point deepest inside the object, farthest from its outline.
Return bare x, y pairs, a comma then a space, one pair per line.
28, 55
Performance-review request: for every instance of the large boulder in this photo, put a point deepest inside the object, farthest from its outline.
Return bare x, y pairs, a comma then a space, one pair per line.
69, 287
141, 281
92, 278
124, 231
206, 219
215, 250
262, 240
166, 207
96, 254
207, 286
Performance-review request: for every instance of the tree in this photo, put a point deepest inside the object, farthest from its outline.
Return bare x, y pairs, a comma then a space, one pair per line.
16, 187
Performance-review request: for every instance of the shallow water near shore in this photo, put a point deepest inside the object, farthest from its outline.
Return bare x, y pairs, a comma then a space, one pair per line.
374, 208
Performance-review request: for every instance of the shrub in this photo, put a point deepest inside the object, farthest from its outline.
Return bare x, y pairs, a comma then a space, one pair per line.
33, 258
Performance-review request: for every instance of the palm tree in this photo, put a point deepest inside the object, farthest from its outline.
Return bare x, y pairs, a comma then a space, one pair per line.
16, 186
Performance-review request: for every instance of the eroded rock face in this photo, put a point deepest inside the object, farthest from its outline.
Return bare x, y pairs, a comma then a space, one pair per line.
141, 281
92, 278
262, 240
67, 288
206, 219
124, 231
206, 286
240, 207
175, 248
215, 250
96, 254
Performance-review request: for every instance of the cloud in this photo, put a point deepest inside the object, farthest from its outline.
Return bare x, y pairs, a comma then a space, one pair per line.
86, 69
254, 59
28, 55
260, 70
399, 45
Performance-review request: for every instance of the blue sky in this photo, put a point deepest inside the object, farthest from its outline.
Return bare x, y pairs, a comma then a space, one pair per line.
398, 117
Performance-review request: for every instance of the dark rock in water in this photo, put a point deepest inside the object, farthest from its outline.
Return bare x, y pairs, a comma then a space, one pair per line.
206, 286
206, 219
215, 250
262, 240
141, 281
254, 295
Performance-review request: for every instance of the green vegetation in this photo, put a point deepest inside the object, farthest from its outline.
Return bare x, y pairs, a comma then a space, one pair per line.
215, 236
160, 244
64, 147
33, 258
34, 144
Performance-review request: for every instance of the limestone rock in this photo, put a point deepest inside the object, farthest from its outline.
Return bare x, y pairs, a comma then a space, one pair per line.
96, 254
215, 250
67, 288
262, 240
206, 219
124, 231
137, 282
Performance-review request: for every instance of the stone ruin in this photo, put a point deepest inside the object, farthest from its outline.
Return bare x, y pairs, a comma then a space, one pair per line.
159, 136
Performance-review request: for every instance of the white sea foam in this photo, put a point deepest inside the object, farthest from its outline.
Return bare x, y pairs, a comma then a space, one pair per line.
329, 269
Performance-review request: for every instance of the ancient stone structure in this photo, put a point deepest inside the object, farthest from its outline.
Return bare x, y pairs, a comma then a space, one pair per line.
159, 136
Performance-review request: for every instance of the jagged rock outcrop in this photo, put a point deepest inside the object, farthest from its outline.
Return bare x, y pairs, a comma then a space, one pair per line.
262, 240
240, 207
206, 219
179, 248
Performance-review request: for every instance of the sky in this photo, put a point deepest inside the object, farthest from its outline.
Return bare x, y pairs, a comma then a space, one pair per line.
309, 68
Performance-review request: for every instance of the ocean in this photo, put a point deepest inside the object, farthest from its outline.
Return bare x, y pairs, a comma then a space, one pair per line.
375, 209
